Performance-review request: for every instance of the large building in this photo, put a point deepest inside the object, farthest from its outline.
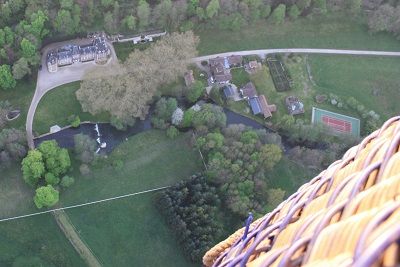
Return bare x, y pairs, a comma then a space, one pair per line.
97, 50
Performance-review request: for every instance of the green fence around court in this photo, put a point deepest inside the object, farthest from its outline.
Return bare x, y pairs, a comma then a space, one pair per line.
318, 114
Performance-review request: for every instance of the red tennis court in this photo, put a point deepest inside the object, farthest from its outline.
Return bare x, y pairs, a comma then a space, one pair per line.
337, 124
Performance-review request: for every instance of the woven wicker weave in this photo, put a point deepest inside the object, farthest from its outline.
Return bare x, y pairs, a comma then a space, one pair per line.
349, 215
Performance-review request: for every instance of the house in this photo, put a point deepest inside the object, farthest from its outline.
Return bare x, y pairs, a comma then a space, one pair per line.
189, 78
220, 70
97, 51
266, 109
253, 66
235, 61
248, 91
255, 105
229, 92
294, 105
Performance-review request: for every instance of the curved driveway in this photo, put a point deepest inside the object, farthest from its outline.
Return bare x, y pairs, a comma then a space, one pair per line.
47, 81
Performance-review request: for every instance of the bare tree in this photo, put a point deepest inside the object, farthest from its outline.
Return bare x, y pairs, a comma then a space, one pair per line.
127, 92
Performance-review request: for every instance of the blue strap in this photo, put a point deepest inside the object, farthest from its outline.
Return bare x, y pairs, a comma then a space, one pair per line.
248, 222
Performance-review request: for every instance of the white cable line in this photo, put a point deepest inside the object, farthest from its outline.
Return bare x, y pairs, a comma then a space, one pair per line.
84, 204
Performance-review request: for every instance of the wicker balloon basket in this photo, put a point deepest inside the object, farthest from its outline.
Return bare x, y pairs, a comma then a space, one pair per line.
349, 215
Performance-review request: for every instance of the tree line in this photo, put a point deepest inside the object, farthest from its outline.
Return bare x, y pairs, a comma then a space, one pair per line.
25, 25
191, 209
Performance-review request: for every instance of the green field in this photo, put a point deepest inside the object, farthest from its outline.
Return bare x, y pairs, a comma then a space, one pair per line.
57, 105
128, 232
328, 31
150, 160
37, 237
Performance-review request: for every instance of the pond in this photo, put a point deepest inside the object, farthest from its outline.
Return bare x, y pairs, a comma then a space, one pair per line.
112, 137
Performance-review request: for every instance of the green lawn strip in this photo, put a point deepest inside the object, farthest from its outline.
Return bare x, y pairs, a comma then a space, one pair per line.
328, 31
57, 105
128, 232
37, 236
20, 97
150, 160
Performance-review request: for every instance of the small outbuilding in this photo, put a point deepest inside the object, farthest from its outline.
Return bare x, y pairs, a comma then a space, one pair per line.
55, 128
294, 105
265, 107
229, 92
255, 105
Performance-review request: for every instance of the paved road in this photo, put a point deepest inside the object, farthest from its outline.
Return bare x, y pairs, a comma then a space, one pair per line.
263, 52
47, 81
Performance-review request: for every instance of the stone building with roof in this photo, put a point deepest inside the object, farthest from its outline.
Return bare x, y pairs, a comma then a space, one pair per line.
98, 51
294, 105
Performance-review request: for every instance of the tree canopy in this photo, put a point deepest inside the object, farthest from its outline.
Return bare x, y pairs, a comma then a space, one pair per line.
48, 158
127, 93
7, 80
46, 196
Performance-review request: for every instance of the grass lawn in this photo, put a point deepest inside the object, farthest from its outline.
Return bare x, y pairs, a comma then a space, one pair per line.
239, 77
150, 160
132, 230
57, 105
328, 31
20, 97
39, 237
128, 232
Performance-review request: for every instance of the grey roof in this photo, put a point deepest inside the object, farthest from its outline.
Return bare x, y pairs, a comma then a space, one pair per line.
255, 105
217, 61
228, 91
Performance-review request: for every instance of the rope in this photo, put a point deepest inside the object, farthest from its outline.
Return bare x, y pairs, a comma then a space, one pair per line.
84, 204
